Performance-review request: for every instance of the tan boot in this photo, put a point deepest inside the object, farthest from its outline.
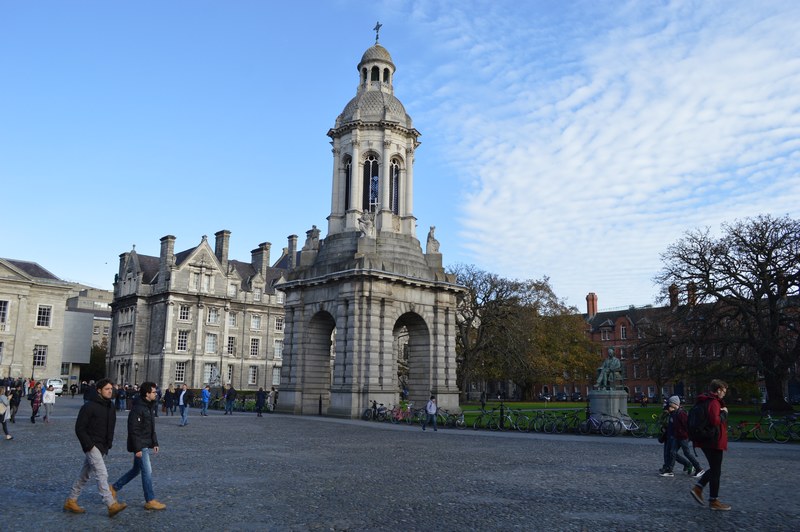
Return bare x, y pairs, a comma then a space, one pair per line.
115, 508
113, 491
154, 505
697, 493
71, 505
716, 504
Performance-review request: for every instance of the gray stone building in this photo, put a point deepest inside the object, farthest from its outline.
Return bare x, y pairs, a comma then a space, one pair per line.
197, 317
368, 313
32, 320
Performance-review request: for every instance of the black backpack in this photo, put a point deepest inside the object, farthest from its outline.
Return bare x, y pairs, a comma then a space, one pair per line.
700, 430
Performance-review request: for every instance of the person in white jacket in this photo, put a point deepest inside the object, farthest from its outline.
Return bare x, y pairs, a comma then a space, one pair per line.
49, 400
431, 408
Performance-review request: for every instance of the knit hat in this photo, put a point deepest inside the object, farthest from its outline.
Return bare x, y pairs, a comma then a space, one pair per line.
675, 400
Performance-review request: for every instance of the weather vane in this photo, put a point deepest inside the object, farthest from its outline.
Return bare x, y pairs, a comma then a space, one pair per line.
377, 29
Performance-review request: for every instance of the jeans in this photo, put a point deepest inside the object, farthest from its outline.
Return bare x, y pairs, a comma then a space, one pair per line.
93, 465
432, 420
140, 465
682, 445
184, 415
229, 407
204, 411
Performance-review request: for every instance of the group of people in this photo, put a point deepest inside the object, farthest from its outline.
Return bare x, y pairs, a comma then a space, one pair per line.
94, 428
11, 396
676, 440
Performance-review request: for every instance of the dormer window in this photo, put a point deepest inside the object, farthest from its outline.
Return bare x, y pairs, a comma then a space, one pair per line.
257, 294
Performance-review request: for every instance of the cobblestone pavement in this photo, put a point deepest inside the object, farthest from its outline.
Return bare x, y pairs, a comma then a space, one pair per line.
291, 473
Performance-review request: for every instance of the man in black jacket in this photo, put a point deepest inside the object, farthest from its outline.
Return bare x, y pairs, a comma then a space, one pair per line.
142, 441
95, 430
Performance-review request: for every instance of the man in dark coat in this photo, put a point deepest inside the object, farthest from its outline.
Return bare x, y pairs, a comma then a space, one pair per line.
142, 441
95, 430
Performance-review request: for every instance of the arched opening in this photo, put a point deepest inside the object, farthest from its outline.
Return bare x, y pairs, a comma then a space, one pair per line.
348, 173
386, 75
364, 76
394, 185
371, 180
412, 346
318, 363
375, 74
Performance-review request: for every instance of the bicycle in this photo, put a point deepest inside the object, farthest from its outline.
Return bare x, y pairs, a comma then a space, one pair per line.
743, 429
591, 425
377, 412
624, 423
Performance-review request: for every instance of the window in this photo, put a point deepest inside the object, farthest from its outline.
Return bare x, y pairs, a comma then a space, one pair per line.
276, 376
213, 315
105, 331
371, 180
65, 368
40, 356
281, 297
231, 290
394, 185
209, 371
206, 283
279, 323
230, 373
180, 371
277, 350
255, 322
623, 332
254, 344
194, 283
43, 316
348, 166
96, 329
232, 319
252, 375
3, 315
605, 335
257, 294
211, 343
183, 340
184, 313
636, 371
231, 348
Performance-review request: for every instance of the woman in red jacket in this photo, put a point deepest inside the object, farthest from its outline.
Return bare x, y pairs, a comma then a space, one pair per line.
717, 417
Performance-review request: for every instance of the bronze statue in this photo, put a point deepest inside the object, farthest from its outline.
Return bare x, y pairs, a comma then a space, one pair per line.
608, 372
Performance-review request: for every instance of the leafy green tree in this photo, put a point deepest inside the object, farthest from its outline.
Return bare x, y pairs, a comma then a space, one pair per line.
96, 368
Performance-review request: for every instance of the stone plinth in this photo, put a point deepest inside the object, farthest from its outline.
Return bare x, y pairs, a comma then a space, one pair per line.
610, 402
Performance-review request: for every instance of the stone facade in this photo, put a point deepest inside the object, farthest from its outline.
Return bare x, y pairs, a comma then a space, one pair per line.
32, 311
196, 317
367, 312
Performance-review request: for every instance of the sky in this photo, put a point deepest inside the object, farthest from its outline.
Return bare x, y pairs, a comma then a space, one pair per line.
568, 140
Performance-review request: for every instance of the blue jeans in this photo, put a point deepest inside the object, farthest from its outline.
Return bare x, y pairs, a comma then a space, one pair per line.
140, 465
204, 411
229, 406
432, 420
184, 414
687, 460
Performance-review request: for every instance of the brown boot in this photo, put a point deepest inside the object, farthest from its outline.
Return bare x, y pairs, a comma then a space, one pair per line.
716, 504
71, 505
113, 491
115, 508
697, 493
154, 505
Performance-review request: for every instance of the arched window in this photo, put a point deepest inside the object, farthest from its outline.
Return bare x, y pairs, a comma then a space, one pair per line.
348, 173
371, 180
386, 75
394, 185
376, 74
364, 75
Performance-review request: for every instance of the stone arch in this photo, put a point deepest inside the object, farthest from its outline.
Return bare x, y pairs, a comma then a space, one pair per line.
413, 346
318, 362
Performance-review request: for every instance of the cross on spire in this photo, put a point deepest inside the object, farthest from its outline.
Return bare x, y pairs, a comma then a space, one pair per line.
377, 29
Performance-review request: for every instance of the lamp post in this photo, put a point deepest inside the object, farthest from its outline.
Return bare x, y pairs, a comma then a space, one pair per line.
135, 372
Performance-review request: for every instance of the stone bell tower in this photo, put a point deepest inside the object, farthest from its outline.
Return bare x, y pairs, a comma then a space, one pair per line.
368, 314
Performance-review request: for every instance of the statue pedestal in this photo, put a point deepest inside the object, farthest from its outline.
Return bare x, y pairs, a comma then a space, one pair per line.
610, 402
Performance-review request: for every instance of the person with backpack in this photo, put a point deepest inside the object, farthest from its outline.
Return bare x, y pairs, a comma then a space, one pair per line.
677, 439
708, 430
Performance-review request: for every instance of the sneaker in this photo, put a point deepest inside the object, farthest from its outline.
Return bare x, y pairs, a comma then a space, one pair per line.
688, 470
71, 505
115, 508
697, 493
154, 505
667, 474
716, 504
699, 473
9, 437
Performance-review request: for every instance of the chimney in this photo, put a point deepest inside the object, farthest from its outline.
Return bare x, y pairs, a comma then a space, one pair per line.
691, 294
673, 296
260, 257
221, 247
591, 304
292, 252
166, 259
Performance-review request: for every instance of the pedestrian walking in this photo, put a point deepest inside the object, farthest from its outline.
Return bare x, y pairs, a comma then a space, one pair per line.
271, 399
431, 410
717, 417
185, 398
5, 410
95, 431
170, 397
16, 398
677, 440
142, 442
73, 389
35, 397
261, 400
49, 401
230, 399
206, 397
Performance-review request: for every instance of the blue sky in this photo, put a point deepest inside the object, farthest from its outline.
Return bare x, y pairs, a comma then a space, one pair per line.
574, 140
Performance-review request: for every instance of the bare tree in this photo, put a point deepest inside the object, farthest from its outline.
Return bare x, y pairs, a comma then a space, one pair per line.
743, 290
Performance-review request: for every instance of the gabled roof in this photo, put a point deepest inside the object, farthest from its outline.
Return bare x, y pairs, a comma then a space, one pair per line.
33, 269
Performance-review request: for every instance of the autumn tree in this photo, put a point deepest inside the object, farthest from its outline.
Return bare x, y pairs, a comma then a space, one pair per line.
742, 295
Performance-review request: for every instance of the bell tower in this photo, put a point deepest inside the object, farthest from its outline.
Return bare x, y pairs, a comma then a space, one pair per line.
368, 314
